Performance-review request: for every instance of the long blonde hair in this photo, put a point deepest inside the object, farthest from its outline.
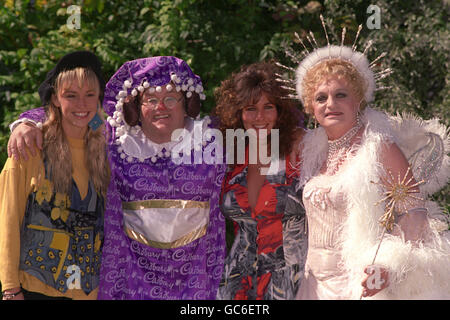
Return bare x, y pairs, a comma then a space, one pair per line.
56, 147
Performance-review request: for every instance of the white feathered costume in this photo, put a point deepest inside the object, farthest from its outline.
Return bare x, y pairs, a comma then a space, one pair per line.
415, 271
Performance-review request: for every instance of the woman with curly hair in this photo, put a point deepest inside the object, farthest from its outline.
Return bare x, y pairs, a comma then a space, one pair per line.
264, 261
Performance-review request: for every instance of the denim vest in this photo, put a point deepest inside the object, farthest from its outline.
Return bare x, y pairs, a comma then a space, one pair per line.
62, 237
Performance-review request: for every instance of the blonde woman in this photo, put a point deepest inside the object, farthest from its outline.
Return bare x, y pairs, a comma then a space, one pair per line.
51, 205
365, 178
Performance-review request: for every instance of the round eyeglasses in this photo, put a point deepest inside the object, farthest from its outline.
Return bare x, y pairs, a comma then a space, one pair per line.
168, 102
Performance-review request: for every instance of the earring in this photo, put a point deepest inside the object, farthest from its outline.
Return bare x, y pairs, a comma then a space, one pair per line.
96, 121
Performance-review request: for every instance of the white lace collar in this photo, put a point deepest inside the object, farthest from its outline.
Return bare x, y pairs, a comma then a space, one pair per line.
134, 145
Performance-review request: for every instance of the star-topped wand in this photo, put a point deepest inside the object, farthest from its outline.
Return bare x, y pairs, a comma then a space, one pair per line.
399, 195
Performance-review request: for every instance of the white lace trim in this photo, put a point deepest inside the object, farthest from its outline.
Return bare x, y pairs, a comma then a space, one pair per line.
134, 145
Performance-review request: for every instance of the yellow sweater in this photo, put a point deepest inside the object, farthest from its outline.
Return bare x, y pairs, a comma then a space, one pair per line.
17, 180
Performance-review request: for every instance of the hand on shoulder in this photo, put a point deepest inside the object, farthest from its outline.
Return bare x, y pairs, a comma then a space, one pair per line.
26, 138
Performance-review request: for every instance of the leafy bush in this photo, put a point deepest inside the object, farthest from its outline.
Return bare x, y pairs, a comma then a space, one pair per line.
216, 38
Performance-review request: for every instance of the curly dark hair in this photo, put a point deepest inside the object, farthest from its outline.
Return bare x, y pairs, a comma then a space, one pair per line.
245, 87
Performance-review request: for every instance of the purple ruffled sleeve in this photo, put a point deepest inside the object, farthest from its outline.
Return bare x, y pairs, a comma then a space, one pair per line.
37, 115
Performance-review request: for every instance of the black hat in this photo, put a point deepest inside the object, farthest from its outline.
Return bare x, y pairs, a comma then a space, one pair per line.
84, 59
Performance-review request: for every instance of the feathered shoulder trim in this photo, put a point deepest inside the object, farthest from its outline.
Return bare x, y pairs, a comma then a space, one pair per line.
425, 143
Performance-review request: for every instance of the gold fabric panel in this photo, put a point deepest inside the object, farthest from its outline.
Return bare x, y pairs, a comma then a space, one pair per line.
164, 204
194, 235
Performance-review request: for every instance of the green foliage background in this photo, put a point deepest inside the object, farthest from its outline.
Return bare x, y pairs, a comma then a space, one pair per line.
217, 37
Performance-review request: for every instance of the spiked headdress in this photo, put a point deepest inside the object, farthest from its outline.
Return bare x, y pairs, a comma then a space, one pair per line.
317, 55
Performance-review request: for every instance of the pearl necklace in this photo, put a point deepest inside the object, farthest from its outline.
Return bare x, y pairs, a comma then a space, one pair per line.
335, 147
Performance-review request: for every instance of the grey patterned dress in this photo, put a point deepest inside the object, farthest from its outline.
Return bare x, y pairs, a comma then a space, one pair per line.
267, 257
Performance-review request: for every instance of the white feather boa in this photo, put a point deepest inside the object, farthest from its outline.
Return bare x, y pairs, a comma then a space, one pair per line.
416, 272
